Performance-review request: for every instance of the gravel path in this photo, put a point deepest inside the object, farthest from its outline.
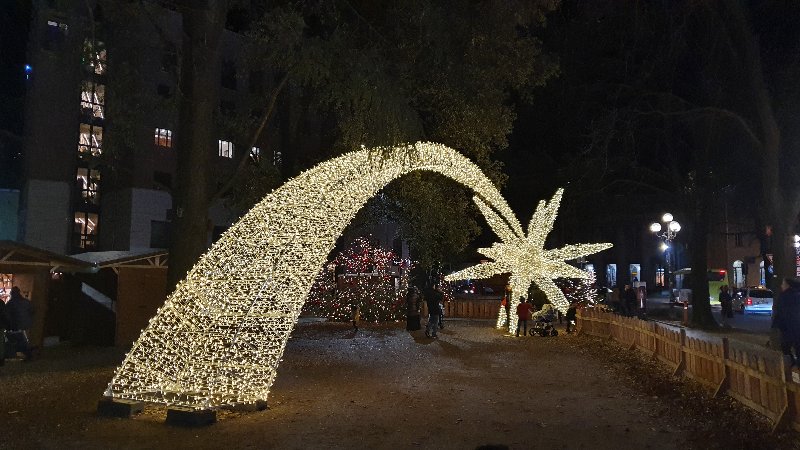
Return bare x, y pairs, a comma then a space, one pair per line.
381, 387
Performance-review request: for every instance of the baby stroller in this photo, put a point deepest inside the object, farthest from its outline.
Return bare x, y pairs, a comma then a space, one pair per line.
543, 321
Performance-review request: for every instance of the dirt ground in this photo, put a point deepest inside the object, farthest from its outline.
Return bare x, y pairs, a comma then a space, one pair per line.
386, 388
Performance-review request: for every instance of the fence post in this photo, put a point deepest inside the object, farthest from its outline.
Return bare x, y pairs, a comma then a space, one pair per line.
786, 376
654, 338
632, 332
723, 384
682, 363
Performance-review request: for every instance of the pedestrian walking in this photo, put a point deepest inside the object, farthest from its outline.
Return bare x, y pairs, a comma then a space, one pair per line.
523, 315
786, 318
20, 312
726, 302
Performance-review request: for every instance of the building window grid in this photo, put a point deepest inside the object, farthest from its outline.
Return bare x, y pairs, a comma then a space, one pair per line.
86, 230
163, 138
95, 56
225, 149
93, 99
88, 181
90, 139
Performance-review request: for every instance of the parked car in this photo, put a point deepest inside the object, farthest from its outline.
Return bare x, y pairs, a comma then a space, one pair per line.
755, 299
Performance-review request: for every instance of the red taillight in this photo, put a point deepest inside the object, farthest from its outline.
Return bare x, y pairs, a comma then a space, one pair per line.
722, 272
749, 301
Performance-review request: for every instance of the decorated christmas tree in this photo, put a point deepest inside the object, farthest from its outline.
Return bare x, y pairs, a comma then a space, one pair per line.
364, 275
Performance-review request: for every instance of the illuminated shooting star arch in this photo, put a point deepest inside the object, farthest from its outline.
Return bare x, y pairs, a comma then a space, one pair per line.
219, 337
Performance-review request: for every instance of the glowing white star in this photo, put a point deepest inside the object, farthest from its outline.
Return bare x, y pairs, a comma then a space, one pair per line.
525, 257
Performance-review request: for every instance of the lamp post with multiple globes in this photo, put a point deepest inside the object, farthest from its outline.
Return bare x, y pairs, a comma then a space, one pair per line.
670, 231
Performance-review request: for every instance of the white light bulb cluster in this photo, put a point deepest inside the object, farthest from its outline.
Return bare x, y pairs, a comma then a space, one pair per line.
221, 334
525, 257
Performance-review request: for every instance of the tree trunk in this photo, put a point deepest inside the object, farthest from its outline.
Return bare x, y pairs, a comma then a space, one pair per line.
199, 92
701, 217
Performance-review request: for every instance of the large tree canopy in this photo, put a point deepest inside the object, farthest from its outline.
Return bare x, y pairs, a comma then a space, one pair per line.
368, 73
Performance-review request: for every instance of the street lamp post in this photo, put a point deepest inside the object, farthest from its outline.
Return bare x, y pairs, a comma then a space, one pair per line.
670, 231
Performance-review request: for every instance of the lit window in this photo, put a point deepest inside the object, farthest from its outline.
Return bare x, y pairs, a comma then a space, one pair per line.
88, 181
90, 140
225, 149
277, 159
85, 230
255, 153
93, 99
163, 138
94, 56
660, 279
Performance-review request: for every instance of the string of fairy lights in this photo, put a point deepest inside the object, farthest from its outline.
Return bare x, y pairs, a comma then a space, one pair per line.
220, 336
525, 257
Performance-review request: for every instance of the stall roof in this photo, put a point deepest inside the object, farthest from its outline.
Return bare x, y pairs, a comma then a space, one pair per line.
16, 257
147, 257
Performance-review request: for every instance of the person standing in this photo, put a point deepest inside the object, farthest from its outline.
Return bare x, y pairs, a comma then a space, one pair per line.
572, 317
432, 299
5, 323
786, 318
726, 302
629, 300
20, 312
523, 315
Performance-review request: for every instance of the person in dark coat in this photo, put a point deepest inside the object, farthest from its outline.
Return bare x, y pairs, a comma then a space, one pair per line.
629, 301
20, 312
572, 317
726, 302
786, 318
432, 299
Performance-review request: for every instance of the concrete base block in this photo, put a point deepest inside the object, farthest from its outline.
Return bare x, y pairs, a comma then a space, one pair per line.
187, 417
113, 407
260, 405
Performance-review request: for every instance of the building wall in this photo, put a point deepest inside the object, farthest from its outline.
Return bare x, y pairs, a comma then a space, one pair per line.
114, 231
46, 215
9, 207
147, 205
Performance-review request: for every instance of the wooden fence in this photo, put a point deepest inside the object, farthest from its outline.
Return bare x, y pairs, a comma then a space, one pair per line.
758, 378
469, 308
